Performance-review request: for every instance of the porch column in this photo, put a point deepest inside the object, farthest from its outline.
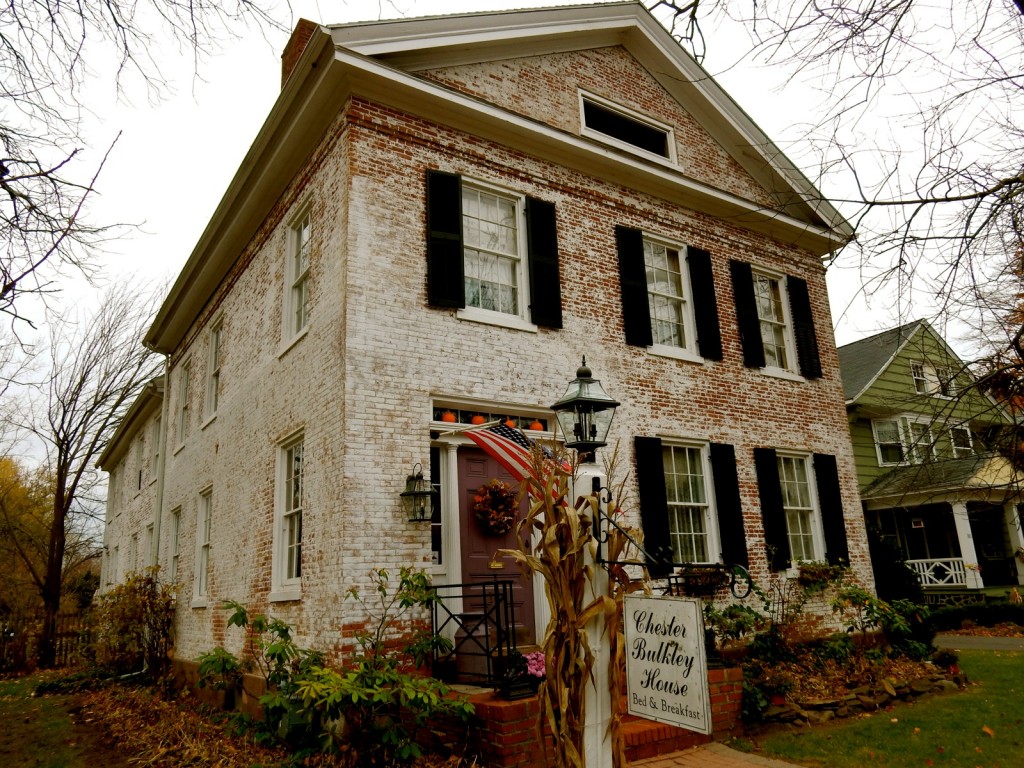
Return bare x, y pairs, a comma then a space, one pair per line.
963, 533
1013, 529
597, 741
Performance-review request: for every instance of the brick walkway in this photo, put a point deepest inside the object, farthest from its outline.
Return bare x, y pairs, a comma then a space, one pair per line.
710, 756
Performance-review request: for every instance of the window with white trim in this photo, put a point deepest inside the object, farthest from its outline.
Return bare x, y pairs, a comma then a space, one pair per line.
625, 128
213, 370
903, 439
287, 563
492, 249
297, 289
772, 315
147, 555
931, 379
112, 566
668, 296
184, 395
155, 445
961, 444
798, 503
175, 544
204, 527
139, 460
689, 510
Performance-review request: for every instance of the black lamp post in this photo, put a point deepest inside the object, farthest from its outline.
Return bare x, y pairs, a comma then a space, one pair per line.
416, 496
585, 413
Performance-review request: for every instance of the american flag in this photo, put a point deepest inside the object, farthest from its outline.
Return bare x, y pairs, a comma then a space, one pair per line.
513, 450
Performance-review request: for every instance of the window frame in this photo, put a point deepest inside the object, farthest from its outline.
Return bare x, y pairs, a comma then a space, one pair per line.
644, 121
816, 524
175, 545
688, 350
155, 436
791, 367
285, 583
911, 448
213, 369
297, 276
933, 380
521, 319
711, 533
204, 545
954, 448
882, 462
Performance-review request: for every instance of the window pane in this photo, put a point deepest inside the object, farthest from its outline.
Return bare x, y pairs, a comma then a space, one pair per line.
491, 251
687, 508
665, 294
768, 298
796, 501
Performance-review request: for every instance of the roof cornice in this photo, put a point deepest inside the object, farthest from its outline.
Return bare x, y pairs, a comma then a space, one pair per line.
325, 76
147, 402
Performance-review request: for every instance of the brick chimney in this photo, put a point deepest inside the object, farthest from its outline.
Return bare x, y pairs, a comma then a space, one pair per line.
296, 45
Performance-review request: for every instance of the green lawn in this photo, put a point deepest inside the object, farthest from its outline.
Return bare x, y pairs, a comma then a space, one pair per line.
982, 727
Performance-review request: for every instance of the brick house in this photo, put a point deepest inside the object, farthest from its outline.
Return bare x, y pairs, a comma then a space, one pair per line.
929, 484
437, 220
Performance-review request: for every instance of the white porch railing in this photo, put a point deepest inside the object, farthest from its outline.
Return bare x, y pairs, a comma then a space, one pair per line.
947, 572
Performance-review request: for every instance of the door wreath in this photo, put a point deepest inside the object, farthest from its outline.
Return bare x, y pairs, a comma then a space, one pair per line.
496, 507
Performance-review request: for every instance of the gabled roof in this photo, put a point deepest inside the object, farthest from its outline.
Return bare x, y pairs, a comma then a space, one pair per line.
380, 61
861, 362
988, 474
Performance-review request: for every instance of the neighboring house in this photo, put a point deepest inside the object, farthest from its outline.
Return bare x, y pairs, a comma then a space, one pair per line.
132, 461
438, 219
928, 482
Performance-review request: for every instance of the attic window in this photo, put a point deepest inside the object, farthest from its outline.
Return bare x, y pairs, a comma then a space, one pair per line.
604, 120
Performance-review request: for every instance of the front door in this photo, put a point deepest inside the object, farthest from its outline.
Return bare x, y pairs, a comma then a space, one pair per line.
480, 562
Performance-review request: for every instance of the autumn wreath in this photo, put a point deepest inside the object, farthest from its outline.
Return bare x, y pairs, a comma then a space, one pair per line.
496, 507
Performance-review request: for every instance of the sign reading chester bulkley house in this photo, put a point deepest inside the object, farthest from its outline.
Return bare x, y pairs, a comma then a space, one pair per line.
666, 666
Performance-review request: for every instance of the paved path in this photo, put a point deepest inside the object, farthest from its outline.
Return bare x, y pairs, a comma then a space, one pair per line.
713, 755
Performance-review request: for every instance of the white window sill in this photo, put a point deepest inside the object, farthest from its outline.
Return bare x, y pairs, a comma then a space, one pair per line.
209, 420
285, 595
782, 373
177, 450
676, 353
198, 602
487, 317
287, 344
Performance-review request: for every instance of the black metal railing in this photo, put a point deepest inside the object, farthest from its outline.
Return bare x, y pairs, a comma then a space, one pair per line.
479, 619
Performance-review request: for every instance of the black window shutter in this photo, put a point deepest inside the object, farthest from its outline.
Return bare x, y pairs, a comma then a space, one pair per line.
705, 305
746, 314
445, 266
636, 314
830, 500
727, 500
650, 477
773, 515
542, 250
803, 328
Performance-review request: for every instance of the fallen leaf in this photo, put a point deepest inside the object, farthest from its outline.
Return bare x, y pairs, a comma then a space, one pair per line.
894, 720
917, 731
988, 731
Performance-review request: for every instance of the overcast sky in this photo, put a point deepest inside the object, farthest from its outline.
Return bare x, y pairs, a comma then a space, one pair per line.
174, 159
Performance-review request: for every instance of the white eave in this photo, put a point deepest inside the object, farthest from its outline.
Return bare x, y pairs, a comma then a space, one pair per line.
370, 61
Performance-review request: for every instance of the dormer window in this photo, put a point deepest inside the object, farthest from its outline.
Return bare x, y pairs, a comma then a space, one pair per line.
601, 119
936, 380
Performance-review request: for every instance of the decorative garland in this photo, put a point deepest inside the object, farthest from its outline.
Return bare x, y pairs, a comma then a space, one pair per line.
496, 507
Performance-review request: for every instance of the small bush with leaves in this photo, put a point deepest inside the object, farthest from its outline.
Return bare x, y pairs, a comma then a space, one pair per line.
132, 625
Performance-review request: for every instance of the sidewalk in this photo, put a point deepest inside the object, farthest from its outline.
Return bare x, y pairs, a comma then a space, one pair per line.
712, 755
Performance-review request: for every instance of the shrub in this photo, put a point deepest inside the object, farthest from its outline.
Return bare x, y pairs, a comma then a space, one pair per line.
132, 625
982, 614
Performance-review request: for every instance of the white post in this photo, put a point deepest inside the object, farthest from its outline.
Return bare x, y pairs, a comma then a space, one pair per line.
967, 550
1013, 528
597, 738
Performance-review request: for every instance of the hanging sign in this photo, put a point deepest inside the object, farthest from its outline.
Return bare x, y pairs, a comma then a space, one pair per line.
666, 663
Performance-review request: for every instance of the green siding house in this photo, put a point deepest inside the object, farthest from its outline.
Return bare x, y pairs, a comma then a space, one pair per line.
927, 481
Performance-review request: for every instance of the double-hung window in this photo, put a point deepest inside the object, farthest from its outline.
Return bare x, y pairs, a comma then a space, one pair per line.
690, 506
494, 271
175, 539
492, 254
903, 439
213, 370
204, 528
960, 442
297, 272
931, 379
776, 321
668, 297
287, 563
801, 507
